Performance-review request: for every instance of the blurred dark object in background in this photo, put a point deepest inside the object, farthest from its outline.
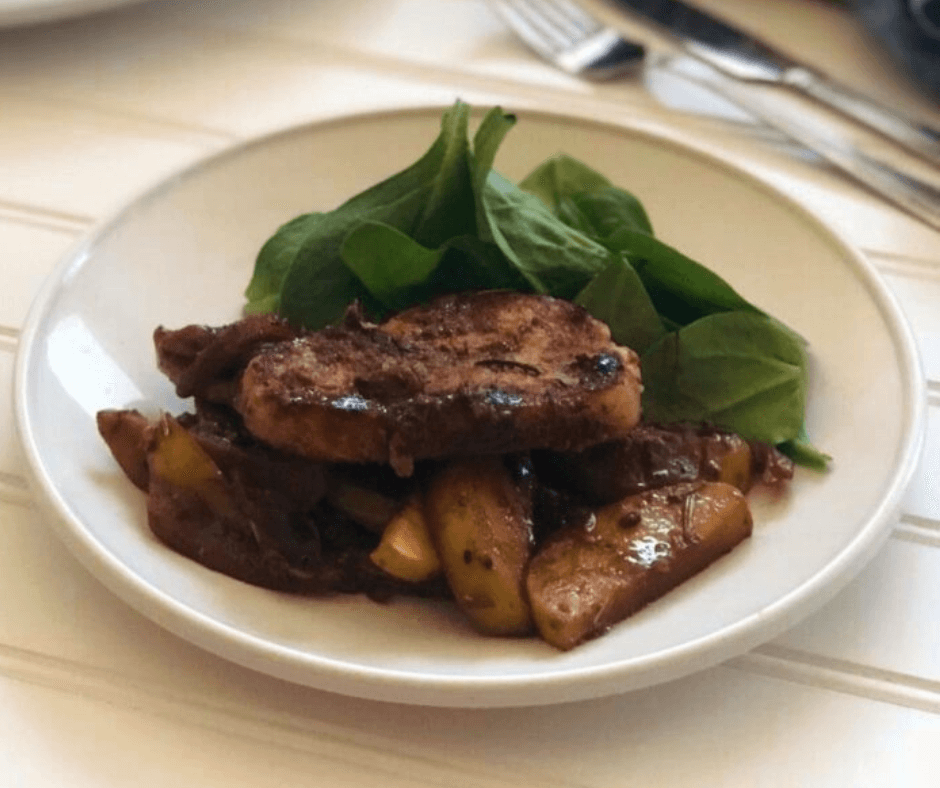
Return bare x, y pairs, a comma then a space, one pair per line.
927, 15
910, 31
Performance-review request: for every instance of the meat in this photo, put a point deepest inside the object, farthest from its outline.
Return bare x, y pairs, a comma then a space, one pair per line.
653, 456
538, 500
479, 373
206, 362
240, 508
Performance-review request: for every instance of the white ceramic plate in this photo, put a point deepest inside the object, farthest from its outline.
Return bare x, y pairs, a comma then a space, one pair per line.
28, 12
184, 253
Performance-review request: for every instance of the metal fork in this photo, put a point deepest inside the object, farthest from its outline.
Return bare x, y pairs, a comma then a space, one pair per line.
565, 34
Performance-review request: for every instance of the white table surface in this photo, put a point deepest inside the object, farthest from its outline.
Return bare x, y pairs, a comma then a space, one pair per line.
94, 110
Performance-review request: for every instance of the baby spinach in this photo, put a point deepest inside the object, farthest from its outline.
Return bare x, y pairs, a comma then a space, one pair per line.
398, 272
561, 176
553, 257
548, 254
682, 289
604, 212
390, 264
740, 370
302, 275
585, 199
263, 293
617, 296
450, 222
802, 452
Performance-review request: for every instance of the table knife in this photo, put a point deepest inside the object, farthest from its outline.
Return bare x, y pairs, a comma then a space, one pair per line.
744, 56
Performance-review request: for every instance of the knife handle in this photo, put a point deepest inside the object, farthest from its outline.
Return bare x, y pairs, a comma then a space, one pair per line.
913, 135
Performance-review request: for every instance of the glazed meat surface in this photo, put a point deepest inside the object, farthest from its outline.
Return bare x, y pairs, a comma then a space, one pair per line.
206, 362
219, 497
477, 373
654, 456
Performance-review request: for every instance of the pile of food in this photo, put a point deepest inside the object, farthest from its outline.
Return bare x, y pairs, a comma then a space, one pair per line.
438, 392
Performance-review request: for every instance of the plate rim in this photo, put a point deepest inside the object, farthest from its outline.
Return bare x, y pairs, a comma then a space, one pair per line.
445, 689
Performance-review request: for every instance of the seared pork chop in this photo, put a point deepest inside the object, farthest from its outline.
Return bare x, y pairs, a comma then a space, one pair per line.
475, 373
206, 362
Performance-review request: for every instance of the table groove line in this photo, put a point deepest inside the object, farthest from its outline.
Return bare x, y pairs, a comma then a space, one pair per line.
362, 59
15, 490
921, 522
294, 731
9, 338
31, 217
37, 214
841, 676
272, 728
99, 111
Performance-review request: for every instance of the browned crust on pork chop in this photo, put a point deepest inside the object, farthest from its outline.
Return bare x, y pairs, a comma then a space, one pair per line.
475, 373
206, 362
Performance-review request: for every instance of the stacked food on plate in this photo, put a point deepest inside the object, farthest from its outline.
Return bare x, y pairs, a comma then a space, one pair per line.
438, 392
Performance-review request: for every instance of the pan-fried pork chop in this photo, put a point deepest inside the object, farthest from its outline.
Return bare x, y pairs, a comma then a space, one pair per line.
475, 373
206, 362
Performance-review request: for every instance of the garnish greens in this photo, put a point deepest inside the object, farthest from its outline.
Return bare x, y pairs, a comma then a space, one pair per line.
450, 222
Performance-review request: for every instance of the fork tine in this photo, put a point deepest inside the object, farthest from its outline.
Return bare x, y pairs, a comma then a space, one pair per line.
572, 18
566, 34
533, 26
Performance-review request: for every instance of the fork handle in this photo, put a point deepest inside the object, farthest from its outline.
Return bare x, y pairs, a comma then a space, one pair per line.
621, 57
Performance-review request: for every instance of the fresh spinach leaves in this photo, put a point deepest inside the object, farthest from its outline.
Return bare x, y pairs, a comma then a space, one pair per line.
617, 296
728, 368
553, 257
450, 222
301, 273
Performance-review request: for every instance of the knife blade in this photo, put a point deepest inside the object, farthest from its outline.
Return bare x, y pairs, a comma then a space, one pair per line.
908, 188
746, 57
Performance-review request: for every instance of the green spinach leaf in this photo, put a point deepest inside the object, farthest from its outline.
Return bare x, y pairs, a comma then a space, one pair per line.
490, 134
560, 177
617, 296
469, 263
682, 289
604, 212
584, 199
553, 257
431, 201
740, 370
398, 272
391, 265
802, 452
263, 293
